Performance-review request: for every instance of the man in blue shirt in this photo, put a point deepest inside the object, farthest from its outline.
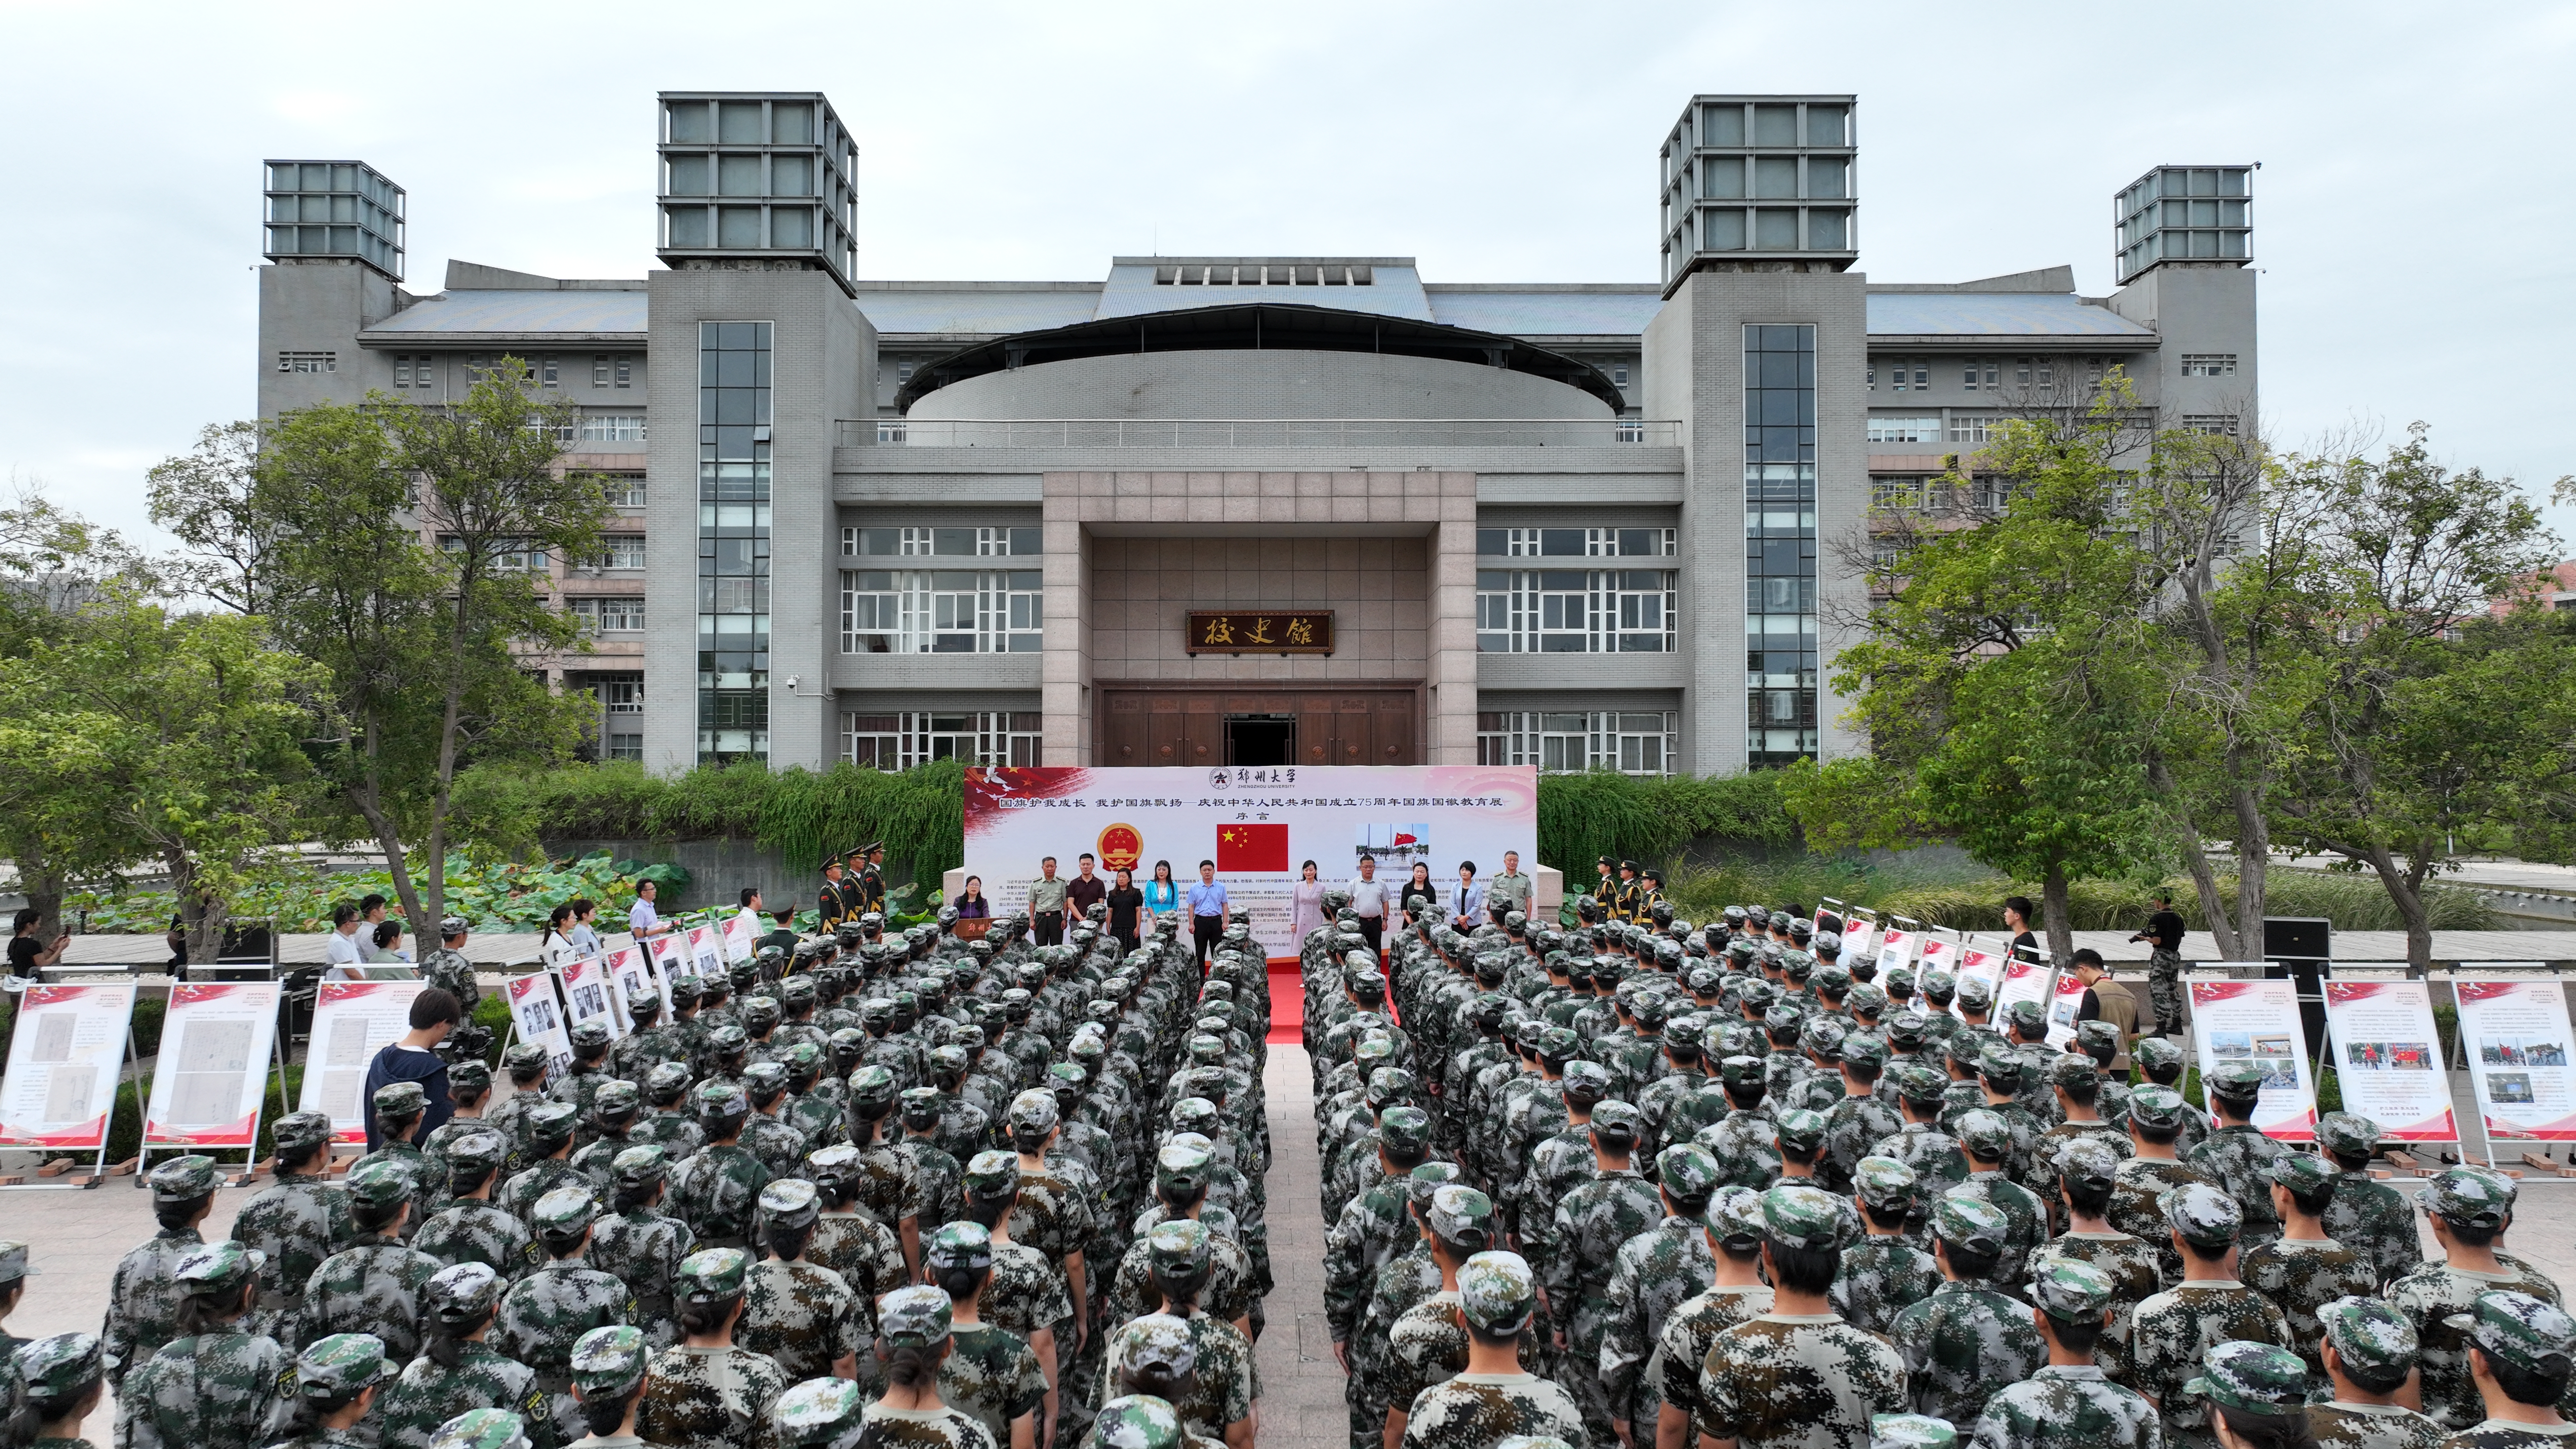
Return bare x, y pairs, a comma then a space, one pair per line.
1207, 911
414, 1058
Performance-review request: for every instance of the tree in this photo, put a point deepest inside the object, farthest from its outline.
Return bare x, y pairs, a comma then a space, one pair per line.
207, 497
404, 554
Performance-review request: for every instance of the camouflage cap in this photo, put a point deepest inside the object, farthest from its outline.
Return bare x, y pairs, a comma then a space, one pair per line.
2369, 1334
400, 1099
2026, 1016
1907, 1028
1613, 1117
1385, 1085
589, 1036
920, 1107
823, 1413
2347, 1134
1984, 1133
2071, 1069
711, 1275
1995, 1062
1688, 1171
1496, 1293
1866, 998
2154, 1106
666, 1080
1429, 1178
379, 1185
2088, 1164
2467, 1199
2237, 1081
339, 1366
1799, 1130
1405, 1127
1735, 1217
761, 1080
616, 1098
2154, 1054
1920, 1085
461, 1294
1742, 1072
637, 1168
1911, 1431
1177, 1248
1798, 1216
609, 1362
2531, 1334
2252, 1378
963, 1243
1973, 993
1784, 1019
1033, 1111
2071, 1291
947, 1061
991, 1175
1822, 1036
14, 1266
1182, 1168
1461, 1218
872, 1092
1557, 1043
1970, 1223
59, 1368
482, 1429
790, 1202
298, 1133
1885, 1183
1155, 1343
551, 1121
2205, 1217
1067, 1077
565, 1212
2098, 1037
183, 1179
2303, 1173
1900, 983
1138, 1421
468, 1076
1861, 1049
717, 1097
216, 1268
1585, 1082
1683, 1030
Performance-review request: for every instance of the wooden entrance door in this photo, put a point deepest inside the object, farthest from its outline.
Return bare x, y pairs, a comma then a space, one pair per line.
1186, 727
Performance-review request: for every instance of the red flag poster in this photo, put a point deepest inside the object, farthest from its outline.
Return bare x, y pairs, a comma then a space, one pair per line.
1251, 847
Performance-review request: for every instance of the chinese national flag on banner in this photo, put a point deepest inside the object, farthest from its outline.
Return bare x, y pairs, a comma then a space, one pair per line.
1251, 847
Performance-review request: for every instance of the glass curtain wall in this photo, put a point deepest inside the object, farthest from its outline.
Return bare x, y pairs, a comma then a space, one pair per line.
733, 540
1780, 543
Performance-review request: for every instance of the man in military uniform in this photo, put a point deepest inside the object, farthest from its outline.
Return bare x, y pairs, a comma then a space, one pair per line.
2367, 1215
2173, 1330
1741, 1141
991, 1374
1372, 1227
1056, 1206
220, 1387
545, 1313
832, 903
639, 1245
716, 1190
297, 1223
400, 1108
707, 1393
458, 1304
2468, 1209
2303, 1270
2155, 1118
1426, 1343
2161, 1062
1654, 1273
549, 1128
2519, 1356
447, 969
470, 1229
2068, 1403
1884, 1274
1736, 1295
2085, 1170
1856, 1125
798, 1313
2370, 1353
1935, 1155
1494, 1399
1799, 1374
1579, 1250
869, 893
373, 1285
1967, 1338
2238, 1156
1987, 1139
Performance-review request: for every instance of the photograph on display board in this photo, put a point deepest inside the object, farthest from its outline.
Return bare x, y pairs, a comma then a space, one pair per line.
2257, 1022
2514, 1035
2386, 1042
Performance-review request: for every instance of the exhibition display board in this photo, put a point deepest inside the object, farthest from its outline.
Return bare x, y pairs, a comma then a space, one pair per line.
586, 996
2065, 1001
2023, 981
1257, 824
741, 937
706, 951
2258, 1021
631, 976
352, 1021
2388, 1057
538, 1015
1937, 954
65, 1053
1977, 964
2514, 1035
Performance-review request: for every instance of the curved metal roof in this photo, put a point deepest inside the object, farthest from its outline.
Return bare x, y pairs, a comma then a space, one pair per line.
1251, 326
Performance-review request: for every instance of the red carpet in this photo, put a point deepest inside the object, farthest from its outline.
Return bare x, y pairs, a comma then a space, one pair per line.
1287, 1004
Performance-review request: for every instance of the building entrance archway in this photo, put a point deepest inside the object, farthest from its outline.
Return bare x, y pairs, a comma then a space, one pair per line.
1229, 725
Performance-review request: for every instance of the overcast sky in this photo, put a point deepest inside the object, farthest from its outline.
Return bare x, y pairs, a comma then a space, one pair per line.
2412, 216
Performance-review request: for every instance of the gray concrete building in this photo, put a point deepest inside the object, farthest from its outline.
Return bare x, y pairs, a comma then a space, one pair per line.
1567, 524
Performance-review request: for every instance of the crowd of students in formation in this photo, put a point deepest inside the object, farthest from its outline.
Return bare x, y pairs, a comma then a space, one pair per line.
1724, 1188
909, 1189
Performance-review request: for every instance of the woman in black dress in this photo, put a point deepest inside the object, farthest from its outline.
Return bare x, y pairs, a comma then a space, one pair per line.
1419, 890
1124, 901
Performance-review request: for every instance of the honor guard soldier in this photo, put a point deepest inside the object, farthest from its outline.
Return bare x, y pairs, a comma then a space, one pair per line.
831, 903
870, 878
1628, 898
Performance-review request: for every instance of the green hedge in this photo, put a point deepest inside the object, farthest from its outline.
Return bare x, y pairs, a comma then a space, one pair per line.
1584, 817
125, 1125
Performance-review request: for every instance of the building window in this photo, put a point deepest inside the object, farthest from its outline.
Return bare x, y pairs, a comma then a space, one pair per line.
941, 542
1896, 495
612, 428
610, 616
624, 490
942, 611
509, 556
1905, 430
415, 369
617, 551
2209, 364
1780, 537
980, 737
1230, 274
1574, 542
308, 362
1970, 375
543, 371
1972, 429
1575, 611
2222, 425
619, 693
733, 540
1633, 742
1619, 375
612, 369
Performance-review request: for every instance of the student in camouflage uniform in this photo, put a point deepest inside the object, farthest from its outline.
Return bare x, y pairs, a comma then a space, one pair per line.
2160, 1063
934, 1166
2369, 1353
400, 1108
1655, 1272
1861, 1120
470, 1229
1741, 1141
2237, 1156
545, 1313
2208, 1307
2085, 1169
2520, 1349
215, 1385
608, 1368
778, 1146
801, 1315
2367, 1216
1968, 1338
527, 1064
2304, 1270
1153, 1370
2253, 1393
335, 1388
639, 1246
666, 1089
1229, 1382
143, 1296
1055, 1209
297, 1223
1884, 1274
1988, 1139
990, 1374
1738, 1295
1427, 1341
1799, 1375
613, 1110
1493, 1399
373, 1285
862, 1250
1025, 1295
2156, 1115
1936, 1157
884, 1181
2068, 1402
1578, 1252
549, 1131
716, 1190
456, 1369
2468, 1208
703, 1392
64, 1379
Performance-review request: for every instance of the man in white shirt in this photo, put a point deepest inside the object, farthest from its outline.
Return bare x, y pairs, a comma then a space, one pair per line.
1467, 902
1368, 901
641, 918
754, 923
340, 954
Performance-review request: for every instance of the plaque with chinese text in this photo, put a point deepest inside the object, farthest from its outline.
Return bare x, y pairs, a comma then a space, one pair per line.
1231, 631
